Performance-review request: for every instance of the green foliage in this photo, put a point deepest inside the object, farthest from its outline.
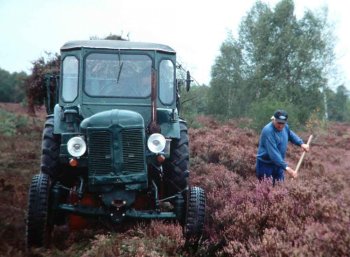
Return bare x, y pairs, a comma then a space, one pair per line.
275, 56
10, 123
263, 110
12, 86
337, 104
347, 110
227, 96
193, 103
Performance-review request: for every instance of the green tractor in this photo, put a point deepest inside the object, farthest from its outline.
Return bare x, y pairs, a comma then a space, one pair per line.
114, 147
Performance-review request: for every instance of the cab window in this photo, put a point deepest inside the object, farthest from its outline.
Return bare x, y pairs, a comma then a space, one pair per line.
166, 81
70, 78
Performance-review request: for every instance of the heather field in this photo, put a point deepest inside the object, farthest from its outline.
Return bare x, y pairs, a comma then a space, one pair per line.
307, 216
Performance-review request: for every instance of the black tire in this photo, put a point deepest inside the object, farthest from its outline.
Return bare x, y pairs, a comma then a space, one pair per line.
38, 229
195, 214
50, 150
176, 167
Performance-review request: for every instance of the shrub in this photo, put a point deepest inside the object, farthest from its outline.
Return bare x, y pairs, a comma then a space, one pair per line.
308, 216
261, 112
11, 123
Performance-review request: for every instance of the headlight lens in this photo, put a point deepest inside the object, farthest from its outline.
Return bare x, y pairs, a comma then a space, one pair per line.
156, 143
76, 146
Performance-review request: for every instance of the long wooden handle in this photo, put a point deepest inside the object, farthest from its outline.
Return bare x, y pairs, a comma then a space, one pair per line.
303, 155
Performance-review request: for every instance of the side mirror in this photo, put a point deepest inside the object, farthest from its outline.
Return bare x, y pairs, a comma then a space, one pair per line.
51, 91
188, 81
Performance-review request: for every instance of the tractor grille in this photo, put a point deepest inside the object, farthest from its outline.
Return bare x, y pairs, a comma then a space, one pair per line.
133, 150
100, 152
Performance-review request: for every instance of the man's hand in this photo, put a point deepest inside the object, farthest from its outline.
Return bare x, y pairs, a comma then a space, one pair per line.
292, 172
305, 147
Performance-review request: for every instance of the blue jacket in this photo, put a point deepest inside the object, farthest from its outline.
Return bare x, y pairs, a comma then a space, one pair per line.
273, 144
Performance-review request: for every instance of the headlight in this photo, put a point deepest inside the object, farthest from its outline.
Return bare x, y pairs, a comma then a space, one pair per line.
156, 143
76, 146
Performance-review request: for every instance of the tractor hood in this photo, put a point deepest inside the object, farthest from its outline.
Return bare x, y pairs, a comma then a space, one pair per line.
113, 118
116, 149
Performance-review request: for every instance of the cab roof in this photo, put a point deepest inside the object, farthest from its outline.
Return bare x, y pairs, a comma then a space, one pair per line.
116, 44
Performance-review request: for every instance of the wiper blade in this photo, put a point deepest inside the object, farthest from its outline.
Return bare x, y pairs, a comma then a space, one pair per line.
119, 72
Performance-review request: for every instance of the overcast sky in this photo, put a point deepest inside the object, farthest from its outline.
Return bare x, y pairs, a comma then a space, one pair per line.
194, 28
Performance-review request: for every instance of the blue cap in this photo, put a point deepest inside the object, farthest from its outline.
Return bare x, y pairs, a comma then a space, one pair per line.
281, 116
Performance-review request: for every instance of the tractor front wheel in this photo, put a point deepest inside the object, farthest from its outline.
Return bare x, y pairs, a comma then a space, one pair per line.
195, 214
50, 150
177, 166
38, 229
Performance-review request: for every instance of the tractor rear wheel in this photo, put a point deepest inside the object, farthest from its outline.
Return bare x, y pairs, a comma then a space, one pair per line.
177, 166
50, 150
195, 214
39, 227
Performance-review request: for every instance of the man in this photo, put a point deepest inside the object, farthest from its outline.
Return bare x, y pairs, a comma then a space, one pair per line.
272, 149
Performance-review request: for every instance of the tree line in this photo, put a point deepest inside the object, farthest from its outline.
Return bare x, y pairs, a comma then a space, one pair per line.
12, 86
276, 61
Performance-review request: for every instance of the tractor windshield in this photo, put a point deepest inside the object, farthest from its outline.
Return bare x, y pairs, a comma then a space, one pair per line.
118, 75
